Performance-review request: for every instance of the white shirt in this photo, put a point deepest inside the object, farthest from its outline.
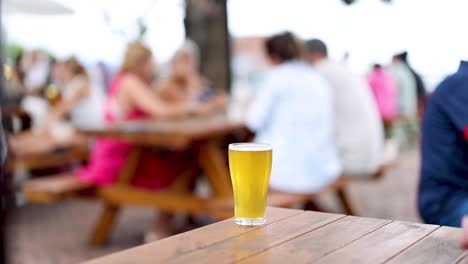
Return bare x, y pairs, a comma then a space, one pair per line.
89, 110
358, 128
292, 112
36, 76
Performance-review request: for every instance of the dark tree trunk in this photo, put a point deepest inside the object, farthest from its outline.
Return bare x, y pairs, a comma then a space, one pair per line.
206, 24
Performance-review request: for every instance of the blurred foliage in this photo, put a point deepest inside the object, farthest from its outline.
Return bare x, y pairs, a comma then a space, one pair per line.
13, 51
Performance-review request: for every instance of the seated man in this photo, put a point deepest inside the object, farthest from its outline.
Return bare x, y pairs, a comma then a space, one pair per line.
292, 111
443, 186
357, 126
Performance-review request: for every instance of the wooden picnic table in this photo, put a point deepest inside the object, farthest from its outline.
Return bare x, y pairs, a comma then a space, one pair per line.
295, 236
201, 135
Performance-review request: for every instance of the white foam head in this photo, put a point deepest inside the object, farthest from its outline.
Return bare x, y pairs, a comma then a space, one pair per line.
249, 147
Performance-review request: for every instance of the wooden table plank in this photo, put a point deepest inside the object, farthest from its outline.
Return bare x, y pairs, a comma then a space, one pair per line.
463, 259
251, 243
382, 244
318, 243
177, 245
294, 236
441, 246
169, 133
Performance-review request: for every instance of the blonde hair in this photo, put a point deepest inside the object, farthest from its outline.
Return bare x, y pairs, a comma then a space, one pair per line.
135, 55
189, 47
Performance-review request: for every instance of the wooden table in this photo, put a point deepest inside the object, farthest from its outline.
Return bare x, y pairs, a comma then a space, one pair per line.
200, 135
294, 236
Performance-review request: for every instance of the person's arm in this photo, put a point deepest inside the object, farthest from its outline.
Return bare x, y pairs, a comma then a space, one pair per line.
166, 90
64, 107
451, 97
261, 107
139, 96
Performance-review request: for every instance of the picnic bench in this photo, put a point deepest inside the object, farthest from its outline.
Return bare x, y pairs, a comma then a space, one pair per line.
295, 236
54, 157
202, 135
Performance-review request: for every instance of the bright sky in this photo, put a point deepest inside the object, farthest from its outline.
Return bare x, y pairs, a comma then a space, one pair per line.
86, 34
371, 31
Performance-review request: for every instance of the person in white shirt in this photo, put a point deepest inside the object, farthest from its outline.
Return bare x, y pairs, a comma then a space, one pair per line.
81, 102
358, 129
292, 111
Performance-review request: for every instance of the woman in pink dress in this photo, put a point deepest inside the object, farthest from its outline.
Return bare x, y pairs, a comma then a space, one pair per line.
130, 98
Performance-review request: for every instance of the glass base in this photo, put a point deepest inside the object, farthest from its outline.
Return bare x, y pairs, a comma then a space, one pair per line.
250, 222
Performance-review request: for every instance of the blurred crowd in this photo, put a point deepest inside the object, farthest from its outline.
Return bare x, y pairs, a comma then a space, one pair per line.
49, 95
325, 121
322, 119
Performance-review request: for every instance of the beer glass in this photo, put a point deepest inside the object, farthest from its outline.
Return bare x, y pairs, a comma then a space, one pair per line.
250, 167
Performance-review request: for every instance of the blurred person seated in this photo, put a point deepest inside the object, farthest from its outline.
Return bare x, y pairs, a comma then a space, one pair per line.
131, 98
292, 111
406, 127
420, 87
406, 83
81, 100
443, 193
36, 67
81, 104
185, 83
357, 127
384, 89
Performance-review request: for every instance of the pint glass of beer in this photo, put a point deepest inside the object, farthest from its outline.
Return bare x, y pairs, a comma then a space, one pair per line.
250, 167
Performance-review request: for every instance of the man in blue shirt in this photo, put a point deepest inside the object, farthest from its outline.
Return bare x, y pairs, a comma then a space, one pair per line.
443, 187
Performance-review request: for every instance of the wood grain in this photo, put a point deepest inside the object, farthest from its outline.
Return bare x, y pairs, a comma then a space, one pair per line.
251, 243
380, 245
177, 245
441, 246
320, 242
463, 259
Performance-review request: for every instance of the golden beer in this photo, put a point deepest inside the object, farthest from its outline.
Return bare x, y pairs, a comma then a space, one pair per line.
250, 167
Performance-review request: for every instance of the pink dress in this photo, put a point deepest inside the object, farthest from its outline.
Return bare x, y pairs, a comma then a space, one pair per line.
385, 92
108, 157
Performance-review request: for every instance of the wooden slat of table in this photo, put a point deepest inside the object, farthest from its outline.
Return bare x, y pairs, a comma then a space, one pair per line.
176, 133
251, 243
177, 245
382, 244
439, 247
318, 243
463, 259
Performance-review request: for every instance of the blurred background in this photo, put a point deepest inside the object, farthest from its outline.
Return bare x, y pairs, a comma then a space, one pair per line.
230, 37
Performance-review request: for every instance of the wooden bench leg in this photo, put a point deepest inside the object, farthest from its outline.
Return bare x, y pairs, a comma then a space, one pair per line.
109, 213
214, 165
104, 225
345, 202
